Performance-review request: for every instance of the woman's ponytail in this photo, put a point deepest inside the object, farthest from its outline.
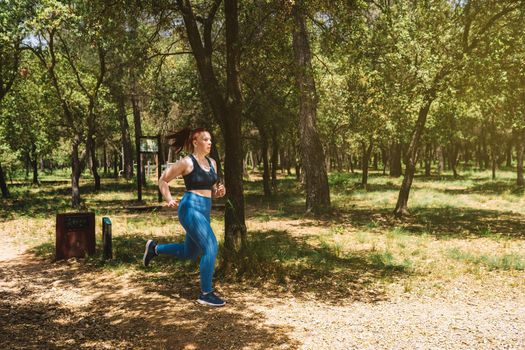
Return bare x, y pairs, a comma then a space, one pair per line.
182, 139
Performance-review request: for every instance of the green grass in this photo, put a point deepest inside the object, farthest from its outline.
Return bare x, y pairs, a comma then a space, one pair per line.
354, 246
512, 261
386, 260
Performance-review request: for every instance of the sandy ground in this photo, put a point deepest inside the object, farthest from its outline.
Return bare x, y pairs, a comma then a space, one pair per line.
64, 305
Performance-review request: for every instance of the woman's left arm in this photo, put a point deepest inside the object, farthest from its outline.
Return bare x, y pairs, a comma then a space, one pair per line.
218, 190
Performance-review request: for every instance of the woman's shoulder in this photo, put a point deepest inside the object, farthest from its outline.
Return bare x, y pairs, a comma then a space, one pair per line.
186, 163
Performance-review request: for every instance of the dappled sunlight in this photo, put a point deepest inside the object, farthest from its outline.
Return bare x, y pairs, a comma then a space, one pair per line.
71, 305
463, 239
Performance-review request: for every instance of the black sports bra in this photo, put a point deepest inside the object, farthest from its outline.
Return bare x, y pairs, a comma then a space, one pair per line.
198, 179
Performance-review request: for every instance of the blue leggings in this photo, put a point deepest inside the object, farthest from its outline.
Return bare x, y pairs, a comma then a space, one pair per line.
194, 215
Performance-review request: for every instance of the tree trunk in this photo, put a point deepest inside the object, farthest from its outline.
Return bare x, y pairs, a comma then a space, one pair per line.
441, 164
351, 163
105, 158
3, 184
366, 159
124, 134
138, 134
376, 161
467, 155
266, 168
227, 111
494, 162
428, 159
235, 230
402, 200
317, 191
395, 160
27, 163
275, 156
453, 158
485, 154
76, 169
519, 167
281, 161
508, 154
384, 158
298, 171
92, 150
328, 162
115, 164
34, 163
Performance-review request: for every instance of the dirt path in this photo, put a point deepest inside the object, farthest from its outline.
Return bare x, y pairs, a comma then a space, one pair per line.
45, 305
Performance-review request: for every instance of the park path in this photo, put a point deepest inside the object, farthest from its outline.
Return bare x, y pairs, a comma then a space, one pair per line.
63, 305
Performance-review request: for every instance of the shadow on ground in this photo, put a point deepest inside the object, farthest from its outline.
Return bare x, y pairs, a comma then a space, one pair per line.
445, 222
275, 262
48, 200
278, 261
67, 305
490, 188
94, 304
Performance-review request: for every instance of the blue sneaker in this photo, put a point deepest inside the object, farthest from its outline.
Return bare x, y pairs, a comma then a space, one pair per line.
210, 299
150, 252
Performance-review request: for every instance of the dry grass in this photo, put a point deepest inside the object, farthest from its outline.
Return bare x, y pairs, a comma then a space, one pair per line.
463, 241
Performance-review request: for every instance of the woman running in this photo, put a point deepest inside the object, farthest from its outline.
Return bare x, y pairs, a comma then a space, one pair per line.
200, 177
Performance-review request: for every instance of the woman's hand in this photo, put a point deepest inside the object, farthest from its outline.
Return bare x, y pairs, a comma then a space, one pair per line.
219, 191
173, 204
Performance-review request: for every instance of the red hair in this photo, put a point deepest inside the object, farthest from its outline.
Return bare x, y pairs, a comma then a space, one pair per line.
183, 139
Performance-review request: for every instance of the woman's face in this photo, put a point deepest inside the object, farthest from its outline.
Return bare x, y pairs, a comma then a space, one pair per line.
202, 142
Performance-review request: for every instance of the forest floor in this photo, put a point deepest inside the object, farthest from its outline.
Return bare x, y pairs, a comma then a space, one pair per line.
450, 276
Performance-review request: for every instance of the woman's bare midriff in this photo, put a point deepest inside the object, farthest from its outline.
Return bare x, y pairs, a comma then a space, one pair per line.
203, 193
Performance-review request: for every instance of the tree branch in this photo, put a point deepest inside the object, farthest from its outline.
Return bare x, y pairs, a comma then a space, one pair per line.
75, 70
487, 26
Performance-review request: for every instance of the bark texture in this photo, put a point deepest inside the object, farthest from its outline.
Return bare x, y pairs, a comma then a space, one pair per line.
312, 155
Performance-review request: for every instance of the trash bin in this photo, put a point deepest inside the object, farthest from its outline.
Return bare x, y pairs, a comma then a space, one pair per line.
75, 235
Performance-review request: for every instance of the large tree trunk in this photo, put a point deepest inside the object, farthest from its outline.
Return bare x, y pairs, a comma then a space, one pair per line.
395, 159
235, 230
227, 111
3, 184
312, 159
402, 200
366, 159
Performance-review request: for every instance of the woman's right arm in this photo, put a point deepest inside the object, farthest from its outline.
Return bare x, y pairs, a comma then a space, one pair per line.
176, 170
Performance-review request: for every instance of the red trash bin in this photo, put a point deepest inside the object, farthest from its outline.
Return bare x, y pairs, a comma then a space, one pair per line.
75, 235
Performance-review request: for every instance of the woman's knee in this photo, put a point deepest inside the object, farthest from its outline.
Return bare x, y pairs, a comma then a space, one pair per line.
211, 248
